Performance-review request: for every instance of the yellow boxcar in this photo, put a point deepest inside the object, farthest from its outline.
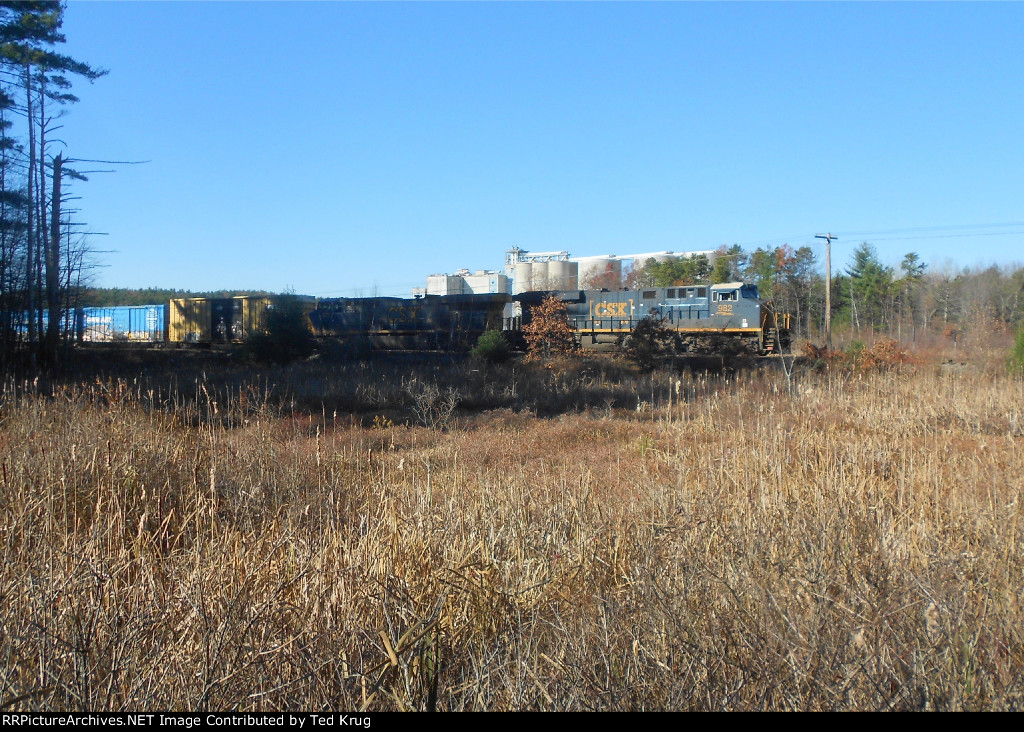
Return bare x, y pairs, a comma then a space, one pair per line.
250, 316
188, 320
220, 319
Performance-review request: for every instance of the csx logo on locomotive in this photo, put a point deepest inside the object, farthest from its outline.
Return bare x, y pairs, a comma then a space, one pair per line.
613, 309
404, 315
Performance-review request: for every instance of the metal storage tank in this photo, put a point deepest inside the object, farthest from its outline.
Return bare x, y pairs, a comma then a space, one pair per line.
563, 275
614, 274
523, 277
639, 260
600, 272
588, 266
539, 280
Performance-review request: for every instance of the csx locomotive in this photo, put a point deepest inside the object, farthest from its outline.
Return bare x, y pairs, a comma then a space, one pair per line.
698, 315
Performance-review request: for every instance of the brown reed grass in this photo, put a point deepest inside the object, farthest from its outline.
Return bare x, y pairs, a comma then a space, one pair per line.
680, 542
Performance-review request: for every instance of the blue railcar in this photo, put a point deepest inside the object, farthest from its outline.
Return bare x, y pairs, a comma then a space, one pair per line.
140, 323
70, 321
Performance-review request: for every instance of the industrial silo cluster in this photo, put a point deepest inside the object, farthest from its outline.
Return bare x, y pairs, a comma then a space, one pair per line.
541, 271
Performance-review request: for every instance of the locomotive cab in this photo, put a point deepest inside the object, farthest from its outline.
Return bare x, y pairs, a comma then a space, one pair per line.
735, 305
733, 292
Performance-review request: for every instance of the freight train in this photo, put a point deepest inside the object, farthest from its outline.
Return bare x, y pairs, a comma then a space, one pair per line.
697, 315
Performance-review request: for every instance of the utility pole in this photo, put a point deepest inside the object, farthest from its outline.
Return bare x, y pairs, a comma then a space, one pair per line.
828, 287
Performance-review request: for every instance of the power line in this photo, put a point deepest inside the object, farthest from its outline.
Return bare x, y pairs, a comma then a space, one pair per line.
951, 227
949, 236
777, 240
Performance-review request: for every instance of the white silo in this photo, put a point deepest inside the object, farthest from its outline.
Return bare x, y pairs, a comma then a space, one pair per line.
563, 275
600, 272
523, 277
539, 281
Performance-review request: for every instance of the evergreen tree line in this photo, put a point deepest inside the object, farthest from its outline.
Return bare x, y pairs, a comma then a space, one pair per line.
106, 297
41, 260
867, 295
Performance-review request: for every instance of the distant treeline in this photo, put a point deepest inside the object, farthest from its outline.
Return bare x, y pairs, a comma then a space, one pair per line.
867, 295
106, 297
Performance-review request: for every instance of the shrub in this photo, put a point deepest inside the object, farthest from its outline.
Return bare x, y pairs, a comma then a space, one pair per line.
1016, 361
855, 351
882, 355
820, 358
549, 334
818, 353
432, 405
491, 347
649, 342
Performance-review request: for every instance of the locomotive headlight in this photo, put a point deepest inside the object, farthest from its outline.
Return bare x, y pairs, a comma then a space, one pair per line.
744, 322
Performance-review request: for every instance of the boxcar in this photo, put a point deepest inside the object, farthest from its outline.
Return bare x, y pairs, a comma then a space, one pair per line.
137, 323
215, 320
433, 322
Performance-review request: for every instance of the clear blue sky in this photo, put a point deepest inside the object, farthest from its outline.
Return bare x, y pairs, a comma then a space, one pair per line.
350, 148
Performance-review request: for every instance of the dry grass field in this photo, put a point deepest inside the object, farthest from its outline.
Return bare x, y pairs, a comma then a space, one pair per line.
390, 537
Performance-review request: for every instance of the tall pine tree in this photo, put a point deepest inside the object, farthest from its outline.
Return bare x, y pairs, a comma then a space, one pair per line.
36, 77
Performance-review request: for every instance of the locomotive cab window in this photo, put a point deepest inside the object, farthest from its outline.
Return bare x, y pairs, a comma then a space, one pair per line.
728, 296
